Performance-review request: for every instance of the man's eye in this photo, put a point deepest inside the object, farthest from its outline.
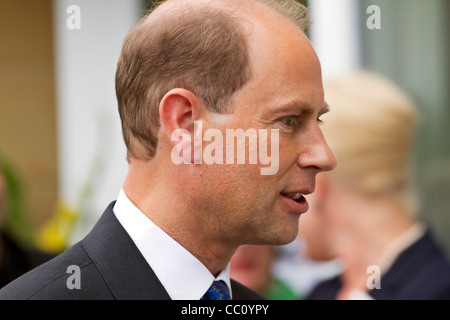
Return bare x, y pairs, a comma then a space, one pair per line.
288, 121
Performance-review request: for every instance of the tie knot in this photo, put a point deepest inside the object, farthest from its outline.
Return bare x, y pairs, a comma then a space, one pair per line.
217, 291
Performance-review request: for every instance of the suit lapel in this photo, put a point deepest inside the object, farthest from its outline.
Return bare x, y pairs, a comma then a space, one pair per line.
123, 267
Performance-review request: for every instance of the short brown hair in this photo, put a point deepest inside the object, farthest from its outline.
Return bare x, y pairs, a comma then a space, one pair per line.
199, 48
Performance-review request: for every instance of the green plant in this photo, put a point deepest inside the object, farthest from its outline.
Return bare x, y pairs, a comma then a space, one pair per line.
15, 220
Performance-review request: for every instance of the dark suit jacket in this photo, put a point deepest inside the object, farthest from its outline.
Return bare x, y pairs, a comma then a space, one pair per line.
421, 272
111, 267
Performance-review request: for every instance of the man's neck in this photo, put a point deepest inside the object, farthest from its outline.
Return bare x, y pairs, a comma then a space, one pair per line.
170, 209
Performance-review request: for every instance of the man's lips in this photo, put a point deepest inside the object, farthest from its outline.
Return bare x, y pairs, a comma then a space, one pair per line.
296, 201
293, 195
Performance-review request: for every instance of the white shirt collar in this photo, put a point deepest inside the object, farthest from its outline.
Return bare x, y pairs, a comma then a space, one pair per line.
183, 276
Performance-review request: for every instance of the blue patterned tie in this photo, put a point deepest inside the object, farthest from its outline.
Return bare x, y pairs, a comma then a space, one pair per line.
217, 291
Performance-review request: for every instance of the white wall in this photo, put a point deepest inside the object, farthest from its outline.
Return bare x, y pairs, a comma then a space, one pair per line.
92, 155
335, 35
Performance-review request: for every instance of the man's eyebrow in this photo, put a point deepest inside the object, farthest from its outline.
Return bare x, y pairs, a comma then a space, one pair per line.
298, 107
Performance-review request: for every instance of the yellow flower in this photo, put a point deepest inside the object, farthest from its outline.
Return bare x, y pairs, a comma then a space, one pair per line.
53, 236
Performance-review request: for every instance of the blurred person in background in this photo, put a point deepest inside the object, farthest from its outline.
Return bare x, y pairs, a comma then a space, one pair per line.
251, 265
16, 258
365, 211
13, 260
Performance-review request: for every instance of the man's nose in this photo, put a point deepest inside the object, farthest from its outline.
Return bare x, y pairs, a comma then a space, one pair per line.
317, 153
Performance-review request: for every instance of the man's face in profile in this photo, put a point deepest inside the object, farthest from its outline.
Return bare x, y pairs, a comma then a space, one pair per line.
284, 94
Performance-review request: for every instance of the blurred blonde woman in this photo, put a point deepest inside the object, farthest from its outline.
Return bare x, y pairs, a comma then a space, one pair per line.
365, 211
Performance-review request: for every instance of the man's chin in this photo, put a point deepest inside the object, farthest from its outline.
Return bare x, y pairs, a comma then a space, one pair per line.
278, 237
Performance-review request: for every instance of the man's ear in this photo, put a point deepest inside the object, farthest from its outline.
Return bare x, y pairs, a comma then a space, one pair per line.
179, 109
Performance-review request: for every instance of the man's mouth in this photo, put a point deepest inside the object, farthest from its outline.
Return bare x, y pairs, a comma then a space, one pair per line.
296, 196
296, 201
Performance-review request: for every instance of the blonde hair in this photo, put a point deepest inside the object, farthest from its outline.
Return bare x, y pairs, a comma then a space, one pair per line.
371, 130
201, 48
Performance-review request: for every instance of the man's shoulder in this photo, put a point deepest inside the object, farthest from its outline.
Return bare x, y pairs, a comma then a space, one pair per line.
241, 292
106, 264
72, 274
